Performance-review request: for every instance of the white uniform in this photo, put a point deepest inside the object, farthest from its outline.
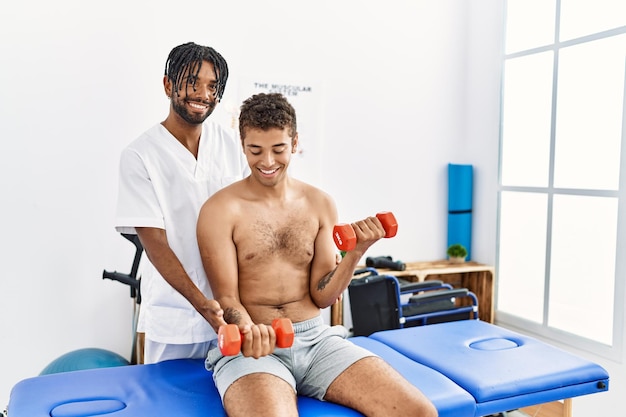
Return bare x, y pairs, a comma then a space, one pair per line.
162, 185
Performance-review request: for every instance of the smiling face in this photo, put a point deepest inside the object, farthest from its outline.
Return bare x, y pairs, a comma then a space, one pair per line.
195, 97
269, 153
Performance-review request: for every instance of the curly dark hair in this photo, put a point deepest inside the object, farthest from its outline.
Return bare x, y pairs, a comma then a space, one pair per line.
189, 56
266, 111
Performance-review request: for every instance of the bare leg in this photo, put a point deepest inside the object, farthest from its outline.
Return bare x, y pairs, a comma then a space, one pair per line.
260, 395
375, 389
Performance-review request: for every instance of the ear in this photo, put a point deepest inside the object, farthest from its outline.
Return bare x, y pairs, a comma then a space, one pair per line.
294, 144
167, 86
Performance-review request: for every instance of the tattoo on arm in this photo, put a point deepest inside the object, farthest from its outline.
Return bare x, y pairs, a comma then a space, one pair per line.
232, 316
324, 281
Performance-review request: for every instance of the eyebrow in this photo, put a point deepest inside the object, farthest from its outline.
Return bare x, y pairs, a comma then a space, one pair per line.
278, 145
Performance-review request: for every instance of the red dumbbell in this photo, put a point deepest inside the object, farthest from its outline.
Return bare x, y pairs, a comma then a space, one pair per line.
345, 238
229, 338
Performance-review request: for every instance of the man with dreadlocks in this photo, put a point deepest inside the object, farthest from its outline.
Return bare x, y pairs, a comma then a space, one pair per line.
266, 243
165, 176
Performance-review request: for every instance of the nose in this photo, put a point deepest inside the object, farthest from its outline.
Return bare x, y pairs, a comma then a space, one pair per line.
268, 159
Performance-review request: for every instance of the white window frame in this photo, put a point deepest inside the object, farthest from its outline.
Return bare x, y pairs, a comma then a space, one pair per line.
615, 350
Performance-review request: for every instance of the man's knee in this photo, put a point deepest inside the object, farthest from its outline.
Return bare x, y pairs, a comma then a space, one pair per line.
260, 394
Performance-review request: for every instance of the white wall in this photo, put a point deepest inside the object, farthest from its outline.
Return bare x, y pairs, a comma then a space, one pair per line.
407, 87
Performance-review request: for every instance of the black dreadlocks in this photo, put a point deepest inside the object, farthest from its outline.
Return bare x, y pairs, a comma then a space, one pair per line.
189, 57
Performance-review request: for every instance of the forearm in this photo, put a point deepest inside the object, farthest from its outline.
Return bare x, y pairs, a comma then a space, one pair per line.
332, 285
172, 271
170, 268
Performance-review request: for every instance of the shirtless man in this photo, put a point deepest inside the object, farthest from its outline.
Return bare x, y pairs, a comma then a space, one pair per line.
266, 245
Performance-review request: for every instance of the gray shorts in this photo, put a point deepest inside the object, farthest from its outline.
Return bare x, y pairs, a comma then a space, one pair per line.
320, 353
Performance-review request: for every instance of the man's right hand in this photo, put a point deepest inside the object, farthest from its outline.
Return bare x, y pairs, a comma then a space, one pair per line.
213, 313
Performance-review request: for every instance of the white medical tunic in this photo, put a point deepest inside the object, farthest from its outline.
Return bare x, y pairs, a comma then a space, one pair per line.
162, 185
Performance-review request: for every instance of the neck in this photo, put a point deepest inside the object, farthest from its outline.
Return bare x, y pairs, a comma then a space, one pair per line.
280, 191
187, 134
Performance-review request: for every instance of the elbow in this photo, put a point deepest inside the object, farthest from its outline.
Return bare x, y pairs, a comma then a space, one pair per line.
323, 302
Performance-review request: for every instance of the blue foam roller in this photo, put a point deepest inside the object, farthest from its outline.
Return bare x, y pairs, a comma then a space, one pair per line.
87, 358
460, 187
460, 231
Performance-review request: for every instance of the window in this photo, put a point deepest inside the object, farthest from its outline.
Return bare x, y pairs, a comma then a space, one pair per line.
562, 190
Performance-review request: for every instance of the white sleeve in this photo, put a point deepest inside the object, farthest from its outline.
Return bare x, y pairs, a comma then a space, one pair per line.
137, 203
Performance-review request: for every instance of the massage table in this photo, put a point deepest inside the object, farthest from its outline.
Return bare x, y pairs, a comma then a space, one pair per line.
466, 368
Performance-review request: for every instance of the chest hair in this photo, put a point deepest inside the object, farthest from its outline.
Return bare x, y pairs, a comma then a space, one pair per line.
293, 239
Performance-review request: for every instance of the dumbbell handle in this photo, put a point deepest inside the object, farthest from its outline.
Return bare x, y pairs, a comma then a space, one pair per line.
345, 237
229, 338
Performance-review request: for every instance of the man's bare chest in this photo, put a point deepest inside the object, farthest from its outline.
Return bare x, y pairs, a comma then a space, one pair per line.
284, 234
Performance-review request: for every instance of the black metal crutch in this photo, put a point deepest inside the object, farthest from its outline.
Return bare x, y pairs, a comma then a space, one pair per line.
135, 287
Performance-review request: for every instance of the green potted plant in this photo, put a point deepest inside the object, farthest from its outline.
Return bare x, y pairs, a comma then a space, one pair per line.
456, 253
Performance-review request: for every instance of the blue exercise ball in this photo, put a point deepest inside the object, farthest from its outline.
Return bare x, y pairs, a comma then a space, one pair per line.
87, 358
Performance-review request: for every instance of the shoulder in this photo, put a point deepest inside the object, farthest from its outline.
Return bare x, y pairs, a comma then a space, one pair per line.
222, 209
312, 190
220, 133
147, 139
223, 147
321, 206
147, 143
317, 197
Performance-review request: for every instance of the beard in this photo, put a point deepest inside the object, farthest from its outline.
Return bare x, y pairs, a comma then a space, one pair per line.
178, 105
